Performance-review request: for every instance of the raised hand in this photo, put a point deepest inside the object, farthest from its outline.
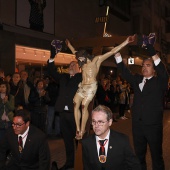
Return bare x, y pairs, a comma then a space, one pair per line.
70, 46
5, 99
67, 42
56, 47
131, 38
42, 93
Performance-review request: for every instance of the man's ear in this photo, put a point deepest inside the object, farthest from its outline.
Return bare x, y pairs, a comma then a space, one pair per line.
28, 123
110, 122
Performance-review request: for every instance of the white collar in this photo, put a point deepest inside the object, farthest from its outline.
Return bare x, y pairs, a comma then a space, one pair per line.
107, 137
25, 133
144, 78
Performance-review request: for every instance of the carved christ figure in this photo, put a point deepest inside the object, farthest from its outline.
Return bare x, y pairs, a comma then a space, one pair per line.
87, 88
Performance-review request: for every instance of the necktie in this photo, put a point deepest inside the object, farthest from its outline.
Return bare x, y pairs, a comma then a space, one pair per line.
145, 81
102, 156
20, 144
102, 149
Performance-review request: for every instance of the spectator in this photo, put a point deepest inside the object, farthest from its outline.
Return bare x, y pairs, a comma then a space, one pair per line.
53, 121
114, 97
39, 99
8, 78
123, 100
17, 90
102, 93
27, 86
6, 108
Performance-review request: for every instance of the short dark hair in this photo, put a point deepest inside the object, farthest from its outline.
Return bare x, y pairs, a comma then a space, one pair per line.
104, 109
82, 53
25, 114
7, 87
23, 71
16, 73
40, 80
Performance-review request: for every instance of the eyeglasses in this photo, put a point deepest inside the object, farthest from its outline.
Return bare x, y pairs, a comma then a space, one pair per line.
99, 123
17, 125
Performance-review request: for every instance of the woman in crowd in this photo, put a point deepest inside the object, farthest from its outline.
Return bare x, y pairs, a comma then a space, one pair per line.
39, 99
123, 99
6, 108
102, 93
114, 96
17, 90
8, 78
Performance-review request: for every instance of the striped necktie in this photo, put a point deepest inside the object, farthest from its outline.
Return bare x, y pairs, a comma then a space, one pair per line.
20, 144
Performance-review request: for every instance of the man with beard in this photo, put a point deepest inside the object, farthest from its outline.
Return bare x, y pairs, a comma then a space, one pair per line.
87, 88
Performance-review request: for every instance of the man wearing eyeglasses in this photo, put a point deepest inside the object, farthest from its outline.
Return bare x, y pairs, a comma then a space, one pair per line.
115, 153
28, 146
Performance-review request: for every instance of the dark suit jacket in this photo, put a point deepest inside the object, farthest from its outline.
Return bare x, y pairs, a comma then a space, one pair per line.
36, 154
67, 88
148, 103
119, 156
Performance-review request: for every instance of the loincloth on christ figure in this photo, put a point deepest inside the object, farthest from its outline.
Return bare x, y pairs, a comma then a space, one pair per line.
87, 90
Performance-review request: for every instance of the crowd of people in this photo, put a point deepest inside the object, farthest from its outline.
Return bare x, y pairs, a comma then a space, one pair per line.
38, 96
116, 94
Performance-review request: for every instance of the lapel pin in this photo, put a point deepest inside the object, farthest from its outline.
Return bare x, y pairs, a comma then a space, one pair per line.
110, 147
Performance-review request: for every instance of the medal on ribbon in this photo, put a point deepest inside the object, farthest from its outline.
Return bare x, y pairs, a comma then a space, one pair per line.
20, 149
102, 158
102, 155
20, 144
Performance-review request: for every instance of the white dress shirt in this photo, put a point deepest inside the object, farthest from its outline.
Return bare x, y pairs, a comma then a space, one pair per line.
24, 136
106, 145
118, 59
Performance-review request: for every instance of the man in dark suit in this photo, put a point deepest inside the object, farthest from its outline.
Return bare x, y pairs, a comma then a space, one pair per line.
68, 85
28, 146
147, 109
115, 154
